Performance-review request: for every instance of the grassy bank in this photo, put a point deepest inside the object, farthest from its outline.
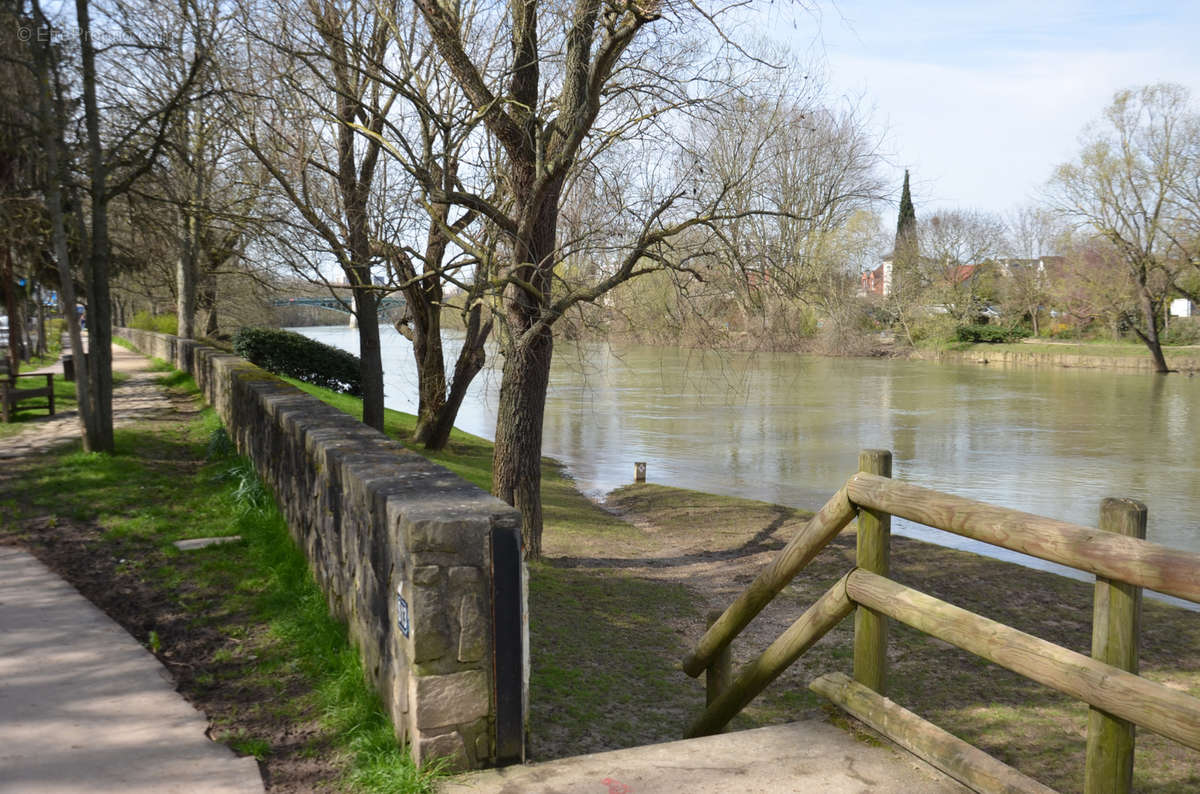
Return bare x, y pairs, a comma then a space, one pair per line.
1092, 355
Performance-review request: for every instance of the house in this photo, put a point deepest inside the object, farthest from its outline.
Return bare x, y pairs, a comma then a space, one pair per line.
877, 282
1182, 307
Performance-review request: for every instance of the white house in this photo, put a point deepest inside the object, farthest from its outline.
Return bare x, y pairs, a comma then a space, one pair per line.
1182, 307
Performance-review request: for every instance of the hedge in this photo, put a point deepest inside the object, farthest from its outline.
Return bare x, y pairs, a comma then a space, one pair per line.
989, 333
288, 353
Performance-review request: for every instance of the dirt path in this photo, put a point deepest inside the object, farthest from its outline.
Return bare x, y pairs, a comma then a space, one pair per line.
136, 399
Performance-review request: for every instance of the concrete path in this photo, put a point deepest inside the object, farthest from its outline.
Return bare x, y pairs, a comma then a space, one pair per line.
83, 706
799, 757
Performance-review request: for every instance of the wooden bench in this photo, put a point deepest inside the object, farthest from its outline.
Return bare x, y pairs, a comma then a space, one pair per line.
11, 396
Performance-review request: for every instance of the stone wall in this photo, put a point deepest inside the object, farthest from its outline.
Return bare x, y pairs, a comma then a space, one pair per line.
424, 567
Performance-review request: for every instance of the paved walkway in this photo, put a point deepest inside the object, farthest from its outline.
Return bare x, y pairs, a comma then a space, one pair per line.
797, 757
83, 706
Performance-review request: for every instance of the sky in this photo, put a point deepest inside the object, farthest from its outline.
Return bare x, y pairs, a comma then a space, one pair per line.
982, 100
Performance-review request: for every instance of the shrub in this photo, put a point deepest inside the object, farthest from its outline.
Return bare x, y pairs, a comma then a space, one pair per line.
989, 333
55, 328
288, 353
161, 323
1182, 331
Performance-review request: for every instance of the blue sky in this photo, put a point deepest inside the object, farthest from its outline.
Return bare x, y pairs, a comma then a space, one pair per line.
982, 100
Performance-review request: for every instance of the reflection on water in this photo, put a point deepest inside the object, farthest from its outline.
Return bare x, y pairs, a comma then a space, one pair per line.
787, 428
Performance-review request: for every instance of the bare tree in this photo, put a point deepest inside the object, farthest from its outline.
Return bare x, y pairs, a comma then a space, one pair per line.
959, 250
300, 98
586, 92
807, 168
125, 128
1035, 237
1134, 184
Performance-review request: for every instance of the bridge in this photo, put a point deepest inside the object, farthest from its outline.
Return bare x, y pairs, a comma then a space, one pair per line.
333, 303
336, 304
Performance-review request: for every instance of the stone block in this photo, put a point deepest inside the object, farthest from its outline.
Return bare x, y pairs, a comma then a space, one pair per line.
465, 577
444, 700
443, 745
430, 631
426, 575
472, 628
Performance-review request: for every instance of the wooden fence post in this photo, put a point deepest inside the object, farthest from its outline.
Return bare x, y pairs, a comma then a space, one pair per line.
870, 627
1116, 628
719, 673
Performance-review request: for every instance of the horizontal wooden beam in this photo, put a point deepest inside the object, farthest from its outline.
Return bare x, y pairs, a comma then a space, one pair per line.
827, 612
1146, 703
1168, 570
812, 537
958, 759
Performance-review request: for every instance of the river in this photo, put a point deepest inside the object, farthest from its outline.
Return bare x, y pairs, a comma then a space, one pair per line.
787, 428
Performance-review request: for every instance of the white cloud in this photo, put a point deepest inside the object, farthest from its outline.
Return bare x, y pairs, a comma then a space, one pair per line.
984, 100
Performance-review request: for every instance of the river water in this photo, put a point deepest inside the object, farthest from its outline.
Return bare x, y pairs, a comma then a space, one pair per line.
787, 428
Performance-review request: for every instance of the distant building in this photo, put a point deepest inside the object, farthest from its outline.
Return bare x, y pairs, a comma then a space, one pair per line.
878, 281
1182, 307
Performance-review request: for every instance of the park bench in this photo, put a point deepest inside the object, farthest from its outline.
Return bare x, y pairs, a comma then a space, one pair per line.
11, 396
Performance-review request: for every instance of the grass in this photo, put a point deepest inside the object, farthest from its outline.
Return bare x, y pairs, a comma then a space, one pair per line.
272, 641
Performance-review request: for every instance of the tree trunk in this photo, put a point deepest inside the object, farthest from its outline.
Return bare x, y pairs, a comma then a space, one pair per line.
207, 300
1150, 335
366, 303
10, 308
517, 455
431, 366
99, 433
185, 278
52, 124
41, 322
470, 361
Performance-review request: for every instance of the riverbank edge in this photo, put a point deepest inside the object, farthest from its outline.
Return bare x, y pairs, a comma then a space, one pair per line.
983, 355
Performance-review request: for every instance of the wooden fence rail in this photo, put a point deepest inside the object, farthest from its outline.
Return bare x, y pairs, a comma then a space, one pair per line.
1138, 562
1123, 561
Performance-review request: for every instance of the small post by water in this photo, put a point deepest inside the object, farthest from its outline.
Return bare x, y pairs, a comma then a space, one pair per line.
1116, 630
719, 673
639, 471
874, 535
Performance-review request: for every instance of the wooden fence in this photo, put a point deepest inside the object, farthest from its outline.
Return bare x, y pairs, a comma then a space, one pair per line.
1117, 553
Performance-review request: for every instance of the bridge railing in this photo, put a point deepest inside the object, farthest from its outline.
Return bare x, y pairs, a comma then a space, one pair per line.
1117, 553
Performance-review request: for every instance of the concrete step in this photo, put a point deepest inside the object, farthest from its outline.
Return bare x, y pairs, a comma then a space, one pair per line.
808, 756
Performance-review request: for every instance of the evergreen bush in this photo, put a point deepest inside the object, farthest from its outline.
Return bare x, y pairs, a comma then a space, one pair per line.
288, 353
992, 334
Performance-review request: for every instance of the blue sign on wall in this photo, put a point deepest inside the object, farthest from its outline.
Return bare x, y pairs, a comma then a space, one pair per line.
402, 614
